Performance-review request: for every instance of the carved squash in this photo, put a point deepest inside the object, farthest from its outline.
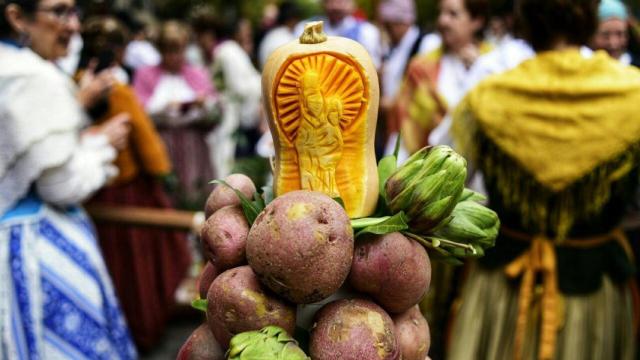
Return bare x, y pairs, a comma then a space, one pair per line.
321, 96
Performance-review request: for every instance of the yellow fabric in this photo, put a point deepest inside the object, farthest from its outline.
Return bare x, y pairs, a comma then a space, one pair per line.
539, 259
559, 115
146, 151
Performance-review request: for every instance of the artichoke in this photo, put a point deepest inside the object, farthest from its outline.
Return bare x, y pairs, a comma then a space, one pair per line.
471, 223
271, 343
427, 187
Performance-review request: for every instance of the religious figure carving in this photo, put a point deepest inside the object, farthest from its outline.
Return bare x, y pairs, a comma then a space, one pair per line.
321, 97
319, 139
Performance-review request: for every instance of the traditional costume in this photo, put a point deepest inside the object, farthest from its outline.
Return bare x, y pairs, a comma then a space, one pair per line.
56, 297
558, 144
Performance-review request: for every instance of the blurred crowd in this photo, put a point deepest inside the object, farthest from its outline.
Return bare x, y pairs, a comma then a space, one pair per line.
114, 108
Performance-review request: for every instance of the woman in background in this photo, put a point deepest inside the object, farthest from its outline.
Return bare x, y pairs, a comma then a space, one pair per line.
145, 263
181, 100
57, 299
240, 87
557, 140
434, 81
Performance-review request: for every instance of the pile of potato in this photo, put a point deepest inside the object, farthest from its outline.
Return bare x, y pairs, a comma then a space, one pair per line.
301, 250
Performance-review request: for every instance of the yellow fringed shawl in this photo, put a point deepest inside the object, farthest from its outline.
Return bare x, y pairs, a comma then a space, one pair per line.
562, 128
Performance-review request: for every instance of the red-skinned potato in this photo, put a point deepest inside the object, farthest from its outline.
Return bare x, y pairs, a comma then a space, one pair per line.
201, 345
237, 303
301, 246
394, 270
222, 195
412, 333
224, 238
208, 274
353, 329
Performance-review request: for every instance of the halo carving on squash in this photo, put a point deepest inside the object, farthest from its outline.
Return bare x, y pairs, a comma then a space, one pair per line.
338, 78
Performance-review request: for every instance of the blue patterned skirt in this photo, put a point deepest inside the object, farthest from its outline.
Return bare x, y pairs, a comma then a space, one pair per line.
56, 297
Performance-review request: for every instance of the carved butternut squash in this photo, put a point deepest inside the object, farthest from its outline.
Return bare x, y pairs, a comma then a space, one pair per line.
321, 96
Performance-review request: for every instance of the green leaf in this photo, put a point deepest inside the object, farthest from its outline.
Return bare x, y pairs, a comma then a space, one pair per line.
396, 149
200, 304
258, 201
362, 223
249, 208
470, 195
386, 167
339, 201
395, 223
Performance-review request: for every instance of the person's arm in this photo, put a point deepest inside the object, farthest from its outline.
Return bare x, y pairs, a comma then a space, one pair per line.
241, 78
144, 138
86, 171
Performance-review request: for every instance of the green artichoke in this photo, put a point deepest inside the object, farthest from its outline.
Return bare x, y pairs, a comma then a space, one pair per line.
471, 223
427, 187
270, 343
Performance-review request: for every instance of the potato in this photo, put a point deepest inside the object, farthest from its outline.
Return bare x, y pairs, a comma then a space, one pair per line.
394, 270
208, 274
412, 333
222, 196
237, 303
224, 238
201, 345
301, 246
353, 329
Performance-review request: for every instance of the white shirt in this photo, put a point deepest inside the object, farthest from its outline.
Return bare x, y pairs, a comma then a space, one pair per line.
625, 59
366, 34
396, 62
141, 53
274, 39
69, 63
451, 79
170, 89
508, 55
430, 42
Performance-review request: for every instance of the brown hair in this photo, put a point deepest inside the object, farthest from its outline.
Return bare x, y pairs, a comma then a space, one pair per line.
543, 22
173, 35
100, 33
477, 8
28, 7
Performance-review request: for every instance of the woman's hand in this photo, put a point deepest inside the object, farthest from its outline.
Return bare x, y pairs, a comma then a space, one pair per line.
417, 73
93, 87
115, 129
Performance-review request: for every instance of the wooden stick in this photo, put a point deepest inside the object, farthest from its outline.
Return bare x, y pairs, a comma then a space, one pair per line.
141, 216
